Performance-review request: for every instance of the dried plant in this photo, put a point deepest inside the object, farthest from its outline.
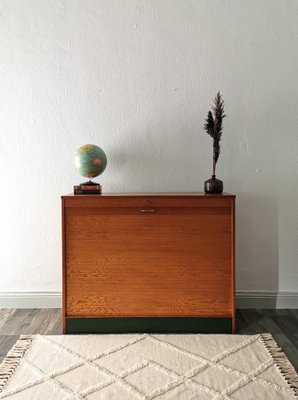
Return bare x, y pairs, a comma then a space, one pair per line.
213, 126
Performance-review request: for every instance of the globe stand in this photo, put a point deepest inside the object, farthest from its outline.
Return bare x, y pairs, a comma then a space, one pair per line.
89, 183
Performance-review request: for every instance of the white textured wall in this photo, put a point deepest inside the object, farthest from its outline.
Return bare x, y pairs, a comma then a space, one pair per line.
137, 77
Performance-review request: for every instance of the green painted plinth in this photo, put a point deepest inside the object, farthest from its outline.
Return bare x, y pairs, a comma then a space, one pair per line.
149, 325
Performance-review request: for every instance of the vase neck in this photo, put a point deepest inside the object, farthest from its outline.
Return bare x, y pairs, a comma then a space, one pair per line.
213, 176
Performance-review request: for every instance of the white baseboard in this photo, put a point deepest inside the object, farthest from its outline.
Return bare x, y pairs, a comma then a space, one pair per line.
244, 299
266, 299
30, 300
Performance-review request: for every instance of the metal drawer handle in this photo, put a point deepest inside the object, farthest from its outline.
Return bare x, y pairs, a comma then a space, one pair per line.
148, 210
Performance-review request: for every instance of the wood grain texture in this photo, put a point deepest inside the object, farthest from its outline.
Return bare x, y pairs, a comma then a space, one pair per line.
24, 321
131, 200
175, 261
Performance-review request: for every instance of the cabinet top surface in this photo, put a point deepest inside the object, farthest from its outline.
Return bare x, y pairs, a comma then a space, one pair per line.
158, 194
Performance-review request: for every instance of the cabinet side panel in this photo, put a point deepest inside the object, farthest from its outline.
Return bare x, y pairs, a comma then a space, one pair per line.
175, 262
233, 275
63, 266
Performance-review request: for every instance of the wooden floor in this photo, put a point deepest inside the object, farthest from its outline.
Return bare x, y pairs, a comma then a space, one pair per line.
282, 324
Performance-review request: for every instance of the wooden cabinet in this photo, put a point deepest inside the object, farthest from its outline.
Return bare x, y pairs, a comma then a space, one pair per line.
161, 262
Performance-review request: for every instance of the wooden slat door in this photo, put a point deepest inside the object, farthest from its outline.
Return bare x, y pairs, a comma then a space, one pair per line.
173, 262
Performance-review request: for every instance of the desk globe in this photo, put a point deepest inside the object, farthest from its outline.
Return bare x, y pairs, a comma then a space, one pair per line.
90, 161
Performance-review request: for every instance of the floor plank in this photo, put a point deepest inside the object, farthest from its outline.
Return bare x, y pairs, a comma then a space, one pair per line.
282, 324
6, 343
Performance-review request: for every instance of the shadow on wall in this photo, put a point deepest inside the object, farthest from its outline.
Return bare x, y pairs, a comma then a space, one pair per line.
257, 243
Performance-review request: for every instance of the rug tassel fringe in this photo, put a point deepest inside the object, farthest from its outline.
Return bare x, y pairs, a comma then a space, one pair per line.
13, 358
285, 367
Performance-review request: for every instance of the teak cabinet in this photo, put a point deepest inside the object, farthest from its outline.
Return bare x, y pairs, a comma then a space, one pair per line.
148, 262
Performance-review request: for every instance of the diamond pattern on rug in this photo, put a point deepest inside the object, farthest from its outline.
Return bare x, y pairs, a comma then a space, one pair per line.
253, 355
185, 392
148, 350
209, 378
112, 392
81, 378
46, 359
203, 345
147, 367
149, 379
88, 348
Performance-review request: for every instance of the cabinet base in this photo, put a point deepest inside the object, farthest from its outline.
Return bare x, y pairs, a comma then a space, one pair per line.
149, 324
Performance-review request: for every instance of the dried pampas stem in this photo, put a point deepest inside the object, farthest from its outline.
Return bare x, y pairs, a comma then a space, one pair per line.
213, 126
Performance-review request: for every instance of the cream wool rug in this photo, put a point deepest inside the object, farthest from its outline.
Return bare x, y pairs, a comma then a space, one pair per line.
162, 367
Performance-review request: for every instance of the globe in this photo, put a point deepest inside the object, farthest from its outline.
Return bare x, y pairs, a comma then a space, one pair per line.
90, 160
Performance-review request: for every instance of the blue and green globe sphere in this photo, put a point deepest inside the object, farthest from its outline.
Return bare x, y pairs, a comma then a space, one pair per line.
90, 160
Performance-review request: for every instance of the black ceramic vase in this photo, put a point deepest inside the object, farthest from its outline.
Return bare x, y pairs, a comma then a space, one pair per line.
213, 185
